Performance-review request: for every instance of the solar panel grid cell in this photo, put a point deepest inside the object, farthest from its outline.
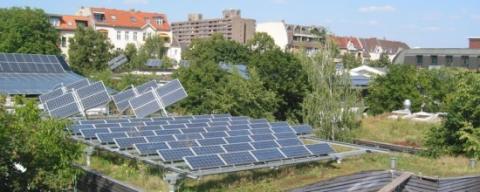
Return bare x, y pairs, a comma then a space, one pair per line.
90, 133
149, 148
263, 137
212, 141
264, 144
268, 154
289, 142
173, 97
217, 128
204, 162
174, 154
188, 136
140, 133
193, 130
295, 151
168, 132
108, 137
261, 131
160, 138
260, 126
182, 144
238, 158
239, 132
126, 143
320, 149
239, 127
214, 134
238, 139
235, 147
204, 150
302, 129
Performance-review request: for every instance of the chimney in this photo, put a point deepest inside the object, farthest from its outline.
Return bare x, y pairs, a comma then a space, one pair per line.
474, 43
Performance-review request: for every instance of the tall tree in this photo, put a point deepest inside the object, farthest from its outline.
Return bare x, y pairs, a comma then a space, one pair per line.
25, 30
261, 42
35, 154
350, 61
330, 106
216, 49
89, 50
384, 61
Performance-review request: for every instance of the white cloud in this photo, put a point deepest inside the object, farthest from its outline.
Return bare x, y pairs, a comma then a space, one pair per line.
135, 2
373, 8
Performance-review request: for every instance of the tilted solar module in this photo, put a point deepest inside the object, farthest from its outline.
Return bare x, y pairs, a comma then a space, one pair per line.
169, 87
260, 126
160, 138
78, 84
75, 129
268, 154
238, 158
261, 131
121, 99
149, 148
212, 141
218, 123
173, 97
295, 151
289, 142
107, 125
193, 130
93, 95
123, 129
238, 147
108, 137
204, 162
239, 127
204, 150
176, 126
216, 128
215, 134
188, 136
238, 139
302, 129
282, 130
126, 143
285, 135
196, 125
168, 132
279, 124
264, 144
140, 133
91, 133
262, 137
174, 154
182, 144
241, 132
117, 61
240, 122
62, 106
50, 95
258, 121
199, 120
144, 104
320, 149
146, 86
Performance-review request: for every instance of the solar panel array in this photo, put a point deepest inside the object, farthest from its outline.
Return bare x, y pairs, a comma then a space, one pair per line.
153, 62
30, 63
117, 61
203, 141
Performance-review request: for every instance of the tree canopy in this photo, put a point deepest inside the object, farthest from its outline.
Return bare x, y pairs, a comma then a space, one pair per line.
26, 30
89, 50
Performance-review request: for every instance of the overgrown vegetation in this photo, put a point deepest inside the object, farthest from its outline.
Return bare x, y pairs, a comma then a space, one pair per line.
35, 153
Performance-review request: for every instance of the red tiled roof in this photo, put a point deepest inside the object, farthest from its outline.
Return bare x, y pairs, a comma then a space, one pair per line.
68, 22
131, 19
342, 42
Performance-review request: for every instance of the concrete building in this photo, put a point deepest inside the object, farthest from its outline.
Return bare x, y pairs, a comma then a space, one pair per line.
123, 27
66, 25
432, 58
232, 26
291, 37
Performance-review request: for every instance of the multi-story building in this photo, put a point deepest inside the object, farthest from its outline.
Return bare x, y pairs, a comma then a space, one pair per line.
66, 25
123, 27
291, 37
474, 42
350, 45
232, 26
437, 57
374, 48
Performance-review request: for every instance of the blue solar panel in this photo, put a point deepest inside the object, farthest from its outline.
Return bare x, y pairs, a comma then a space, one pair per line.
91, 133
282, 130
182, 144
279, 124
256, 121
107, 125
289, 142
146, 86
217, 128
149, 127
184, 117
178, 121
78, 84
50, 95
116, 120
160, 138
239, 122
239, 132
177, 126
208, 150
221, 119
264, 144
174, 154
220, 115
193, 130
238, 147
108, 137
199, 121
218, 123
140, 133
261, 131
302, 129
238, 139
62, 106
285, 135
212, 141
205, 117
263, 137
268, 154
149, 148
144, 104
156, 122
238, 158
121, 99
196, 125
169, 87
117, 61
168, 132
214, 134
132, 124
204, 162
295, 151
320, 149
173, 97
125, 143
239, 127
188, 136
260, 126
76, 128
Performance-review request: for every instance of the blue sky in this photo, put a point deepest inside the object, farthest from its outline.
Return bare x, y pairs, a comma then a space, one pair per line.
420, 23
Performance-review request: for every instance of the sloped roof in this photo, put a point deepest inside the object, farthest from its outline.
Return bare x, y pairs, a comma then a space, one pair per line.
388, 46
342, 42
69, 22
131, 19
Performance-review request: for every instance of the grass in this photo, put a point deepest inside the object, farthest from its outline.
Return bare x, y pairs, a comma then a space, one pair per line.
396, 131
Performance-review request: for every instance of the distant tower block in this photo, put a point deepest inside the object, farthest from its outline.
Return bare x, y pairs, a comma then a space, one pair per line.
195, 17
231, 13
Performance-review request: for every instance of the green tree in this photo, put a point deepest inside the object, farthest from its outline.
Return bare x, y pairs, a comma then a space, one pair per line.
384, 61
216, 49
261, 42
41, 147
350, 61
330, 106
89, 50
25, 30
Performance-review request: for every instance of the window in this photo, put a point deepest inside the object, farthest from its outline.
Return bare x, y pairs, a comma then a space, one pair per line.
434, 59
64, 41
449, 60
133, 19
126, 35
465, 61
119, 35
419, 59
55, 21
159, 21
134, 36
114, 17
100, 17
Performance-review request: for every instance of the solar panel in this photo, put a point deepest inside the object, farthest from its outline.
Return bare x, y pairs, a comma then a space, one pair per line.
218, 123
140, 133
215, 134
212, 141
76, 128
295, 151
154, 63
260, 126
173, 97
258, 121
302, 129
62, 106
285, 135
263, 137
30, 63
174, 154
116, 120
156, 122
193, 130
91, 133
264, 144
117, 61
282, 130
238, 139
160, 138
193, 125
320, 149
238, 147
261, 131
149, 128
238, 127
182, 144
199, 120
204, 162
217, 128
121, 99
188, 136
279, 124
108, 137
93, 95
123, 129
50, 95
107, 125
168, 132
177, 126
78, 84
125, 143
146, 86
238, 158
169, 87
289, 142
240, 122
204, 150
268, 154
149, 148
179, 121
239, 132
144, 104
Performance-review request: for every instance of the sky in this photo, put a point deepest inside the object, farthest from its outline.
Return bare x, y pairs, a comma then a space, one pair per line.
419, 23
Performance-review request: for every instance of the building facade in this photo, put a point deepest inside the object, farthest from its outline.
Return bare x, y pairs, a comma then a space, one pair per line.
446, 57
474, 42
66, 25
291, 37
349, 45
374, 48
232, 26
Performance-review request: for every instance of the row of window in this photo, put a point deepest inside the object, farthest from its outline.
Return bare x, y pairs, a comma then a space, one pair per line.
134, 35
465, 60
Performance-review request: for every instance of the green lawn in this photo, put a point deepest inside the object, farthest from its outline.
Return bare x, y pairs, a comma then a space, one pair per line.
403, 132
